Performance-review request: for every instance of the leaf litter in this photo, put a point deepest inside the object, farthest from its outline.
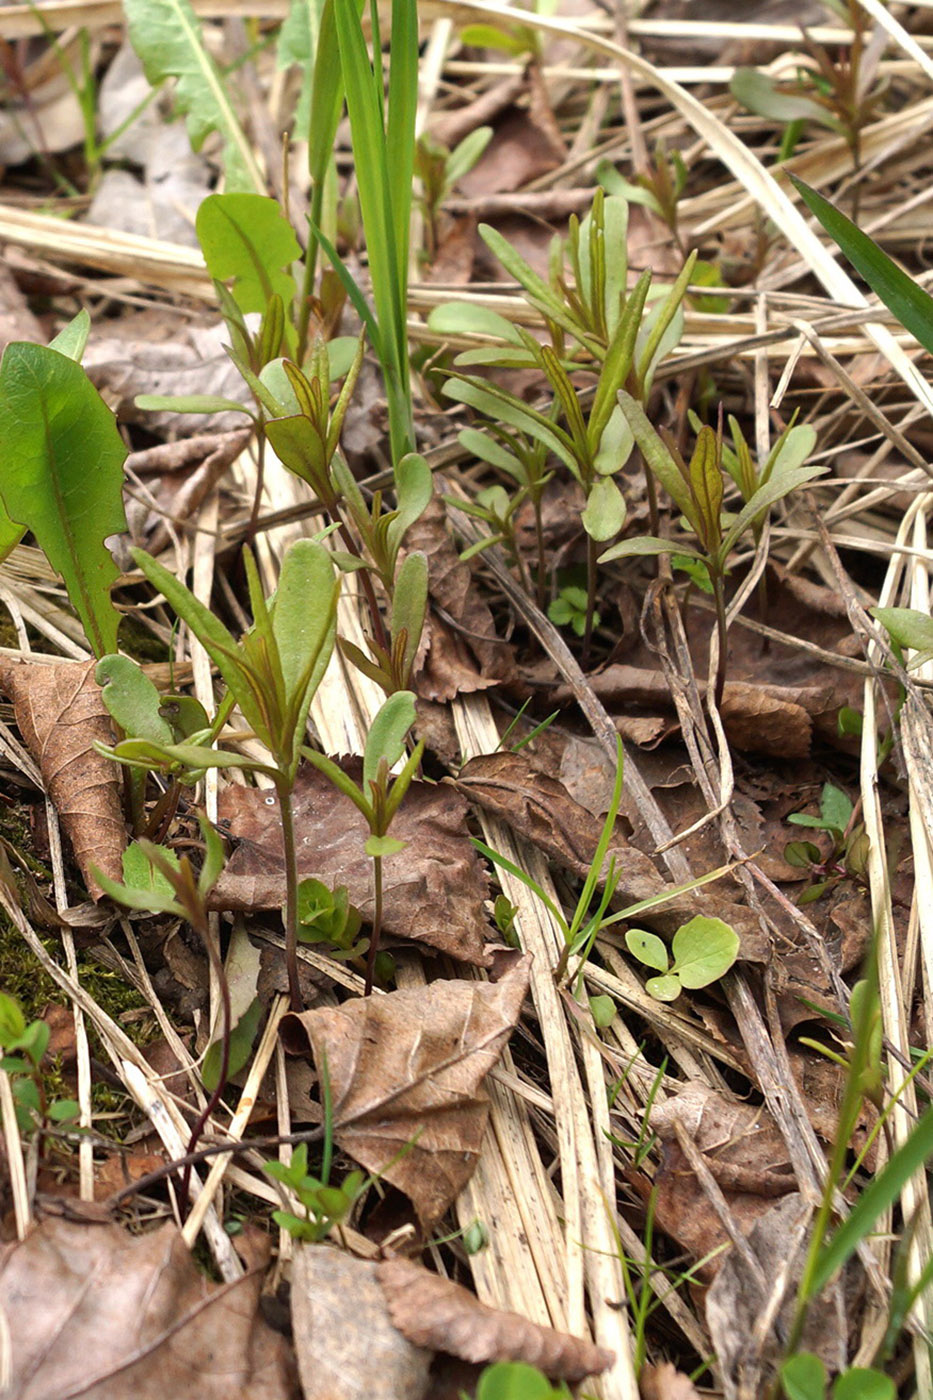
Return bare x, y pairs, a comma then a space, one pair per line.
725, 1106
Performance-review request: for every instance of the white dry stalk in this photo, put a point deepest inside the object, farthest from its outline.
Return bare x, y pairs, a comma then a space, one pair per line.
244, 1109
589, 1237
16, 1167
903, 1113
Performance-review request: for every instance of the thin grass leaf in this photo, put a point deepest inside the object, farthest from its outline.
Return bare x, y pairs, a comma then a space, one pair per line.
912, 306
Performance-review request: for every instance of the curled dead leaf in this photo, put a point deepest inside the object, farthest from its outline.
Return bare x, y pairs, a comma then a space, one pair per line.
437, 1313
60, 715
406, 1071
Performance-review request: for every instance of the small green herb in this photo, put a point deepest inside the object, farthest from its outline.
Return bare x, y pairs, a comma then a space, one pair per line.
703, 951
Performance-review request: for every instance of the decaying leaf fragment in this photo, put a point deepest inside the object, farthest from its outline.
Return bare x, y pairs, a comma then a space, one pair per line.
349, 1353
97, 1312
434, 1312
406, 1073
434, 889
60, 715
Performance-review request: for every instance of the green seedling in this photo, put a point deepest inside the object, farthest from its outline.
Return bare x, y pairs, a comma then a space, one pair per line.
568, 609
524, 463
503, 916
157, 881
63, 472
167, 37
849, 853
272, 674
23, 1045
474, 1237
910, 630
803, 1377
834, 93
659, 188
327, 916
698, 491
612, 335
869, 1074
438, 168
703, 951
324, 1205
380, 795
393, 664
516, 1380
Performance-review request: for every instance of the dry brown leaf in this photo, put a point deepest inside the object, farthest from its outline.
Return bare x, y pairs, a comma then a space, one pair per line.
349, 1353
60, 715
433, 890
97, 1312
740, 1294
465, 654
406, 1071
435, 1312
745, 1153
539, 808
665, 1382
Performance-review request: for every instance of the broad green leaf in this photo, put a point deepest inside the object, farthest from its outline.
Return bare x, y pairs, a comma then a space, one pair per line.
246, 237
10, 534
803, 1377
665, 988
63, 476
864, 1383
132, 700
148, 901
604, 513
304, 616
706, 482
460, 318
760, 94
646, 545
72, 339
167, 37
912, 306
414, 487
648, 948
603, 1010
835, 807
910, 628
297, 44
703, 950
12, 1020
140, 874
657, 456
378, 847
387, 734
515, 1380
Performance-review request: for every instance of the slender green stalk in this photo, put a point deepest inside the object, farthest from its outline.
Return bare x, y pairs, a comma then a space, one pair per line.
284, 794
376, 925
592, 551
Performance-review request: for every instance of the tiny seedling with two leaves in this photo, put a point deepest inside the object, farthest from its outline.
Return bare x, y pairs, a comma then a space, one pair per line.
703, 950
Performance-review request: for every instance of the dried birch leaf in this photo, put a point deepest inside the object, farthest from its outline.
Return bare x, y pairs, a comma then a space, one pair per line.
434, 1312
349, 1353
406, 1071
60, 715
98, 1312
434, 889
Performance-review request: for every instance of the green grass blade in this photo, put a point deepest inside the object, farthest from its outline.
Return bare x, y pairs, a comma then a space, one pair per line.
912, 306
167, 37
874, 1200
400, 142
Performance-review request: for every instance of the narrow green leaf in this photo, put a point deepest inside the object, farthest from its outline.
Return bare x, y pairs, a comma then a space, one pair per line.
766, 496
414, 487
304, 614
167, 37
618, 361
460, 318
912, 306
645, 545
501, 406
604, 513
63, 476
659, 459
189, 403
761, 95
706, 483
882, 1192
